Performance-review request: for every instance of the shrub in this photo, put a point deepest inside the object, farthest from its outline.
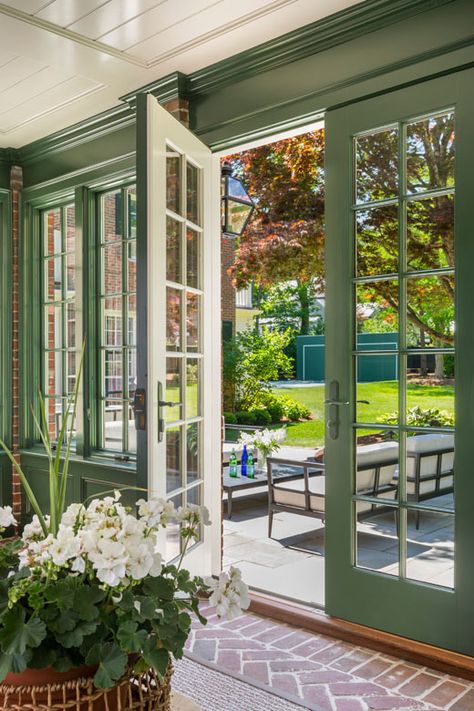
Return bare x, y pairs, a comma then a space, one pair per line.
274, 407
420, 417
246, 418
294, 410
262, 416
230, 418
449, 366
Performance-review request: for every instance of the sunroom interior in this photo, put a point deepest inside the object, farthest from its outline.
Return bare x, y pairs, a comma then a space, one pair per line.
114, 117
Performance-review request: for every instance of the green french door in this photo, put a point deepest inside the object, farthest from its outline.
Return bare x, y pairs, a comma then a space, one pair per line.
400, 448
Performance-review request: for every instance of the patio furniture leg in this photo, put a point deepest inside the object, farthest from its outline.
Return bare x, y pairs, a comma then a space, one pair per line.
270, 522
229, 503
418, 515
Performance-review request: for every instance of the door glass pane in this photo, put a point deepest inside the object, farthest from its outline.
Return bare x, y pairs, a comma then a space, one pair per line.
193, 448
173, 319
173, 181
193, 386
377, 315
192, 193
430, 311
377, 166
377, 241
173, 457
193, 277
173, 250
377, 464
430, 469
430, 153
173, 393
192, 321
377, 542
112, 221
430, 389
376, 387
173, 536
430, 233
430, 547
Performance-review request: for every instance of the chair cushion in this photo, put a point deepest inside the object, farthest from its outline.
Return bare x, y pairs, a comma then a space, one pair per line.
291, 493
429, 443
376, 454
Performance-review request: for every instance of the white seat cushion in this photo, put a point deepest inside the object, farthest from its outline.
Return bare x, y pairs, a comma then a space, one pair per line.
291, 493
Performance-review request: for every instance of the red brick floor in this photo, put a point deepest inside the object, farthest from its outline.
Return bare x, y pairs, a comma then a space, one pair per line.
327, 674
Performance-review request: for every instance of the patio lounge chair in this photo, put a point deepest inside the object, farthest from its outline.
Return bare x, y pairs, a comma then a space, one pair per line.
430, 467
376, 468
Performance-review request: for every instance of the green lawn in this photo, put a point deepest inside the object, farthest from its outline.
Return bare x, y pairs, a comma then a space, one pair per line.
382, 398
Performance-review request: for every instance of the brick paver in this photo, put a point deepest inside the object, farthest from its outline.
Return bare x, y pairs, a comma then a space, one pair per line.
322, 673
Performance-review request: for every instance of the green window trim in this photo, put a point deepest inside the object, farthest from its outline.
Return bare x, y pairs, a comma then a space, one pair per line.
36, 203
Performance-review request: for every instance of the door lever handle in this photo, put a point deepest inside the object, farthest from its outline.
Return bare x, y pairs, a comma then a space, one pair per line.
364, 402
163, 403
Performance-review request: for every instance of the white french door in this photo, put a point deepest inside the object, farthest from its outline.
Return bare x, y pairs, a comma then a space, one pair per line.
179, 185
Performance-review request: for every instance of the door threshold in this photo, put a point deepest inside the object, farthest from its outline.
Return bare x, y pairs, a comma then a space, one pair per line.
316, 620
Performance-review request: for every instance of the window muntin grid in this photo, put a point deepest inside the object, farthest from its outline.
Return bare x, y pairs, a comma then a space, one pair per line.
117, 321
58, 289
184, 349
394, 204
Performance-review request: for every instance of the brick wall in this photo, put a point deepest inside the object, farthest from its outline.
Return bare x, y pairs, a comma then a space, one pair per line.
16, 185
227, 289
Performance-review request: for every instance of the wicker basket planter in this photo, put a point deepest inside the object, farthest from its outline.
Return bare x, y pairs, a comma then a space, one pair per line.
134, 692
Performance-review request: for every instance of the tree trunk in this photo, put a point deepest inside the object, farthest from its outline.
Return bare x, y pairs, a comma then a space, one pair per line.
439, 366
304, 298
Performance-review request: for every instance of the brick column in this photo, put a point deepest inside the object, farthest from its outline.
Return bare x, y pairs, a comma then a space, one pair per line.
16, 186
179, 108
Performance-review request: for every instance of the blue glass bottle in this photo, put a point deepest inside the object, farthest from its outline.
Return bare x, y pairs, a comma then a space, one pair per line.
243, 461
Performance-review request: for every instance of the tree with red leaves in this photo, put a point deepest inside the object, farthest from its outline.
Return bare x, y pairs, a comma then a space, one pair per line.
285, 239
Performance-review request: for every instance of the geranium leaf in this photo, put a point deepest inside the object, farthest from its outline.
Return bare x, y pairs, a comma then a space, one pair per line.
75, 637
60, 622
5, 665
16, 634
130, 637
85, 602
62, 593
111, 661
158, 658
159, 587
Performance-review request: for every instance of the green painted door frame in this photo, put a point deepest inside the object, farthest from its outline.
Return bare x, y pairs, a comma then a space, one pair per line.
424, 612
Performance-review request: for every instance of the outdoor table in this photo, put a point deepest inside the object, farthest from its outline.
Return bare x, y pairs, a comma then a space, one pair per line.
231, 484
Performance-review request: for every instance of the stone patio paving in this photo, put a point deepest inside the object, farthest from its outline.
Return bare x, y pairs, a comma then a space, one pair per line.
322, 673
291, 563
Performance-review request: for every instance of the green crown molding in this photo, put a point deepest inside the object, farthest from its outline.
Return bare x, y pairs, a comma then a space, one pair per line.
173, 86
305, 119
343, 26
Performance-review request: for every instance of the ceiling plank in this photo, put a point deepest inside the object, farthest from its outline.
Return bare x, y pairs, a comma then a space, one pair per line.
111, 16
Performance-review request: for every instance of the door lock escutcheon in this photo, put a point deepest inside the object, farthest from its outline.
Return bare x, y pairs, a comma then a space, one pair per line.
139, 408
334, 403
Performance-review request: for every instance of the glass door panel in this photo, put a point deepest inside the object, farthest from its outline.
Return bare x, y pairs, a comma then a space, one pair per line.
394, 341
181, 447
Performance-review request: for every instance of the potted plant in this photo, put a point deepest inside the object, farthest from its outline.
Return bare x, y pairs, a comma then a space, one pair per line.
85, 590
266, 442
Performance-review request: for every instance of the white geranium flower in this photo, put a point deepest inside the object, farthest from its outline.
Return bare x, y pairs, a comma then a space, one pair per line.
229, 594
73, 516
33, 531
6, 517
64, 547
109, 561
156, 512
194, 515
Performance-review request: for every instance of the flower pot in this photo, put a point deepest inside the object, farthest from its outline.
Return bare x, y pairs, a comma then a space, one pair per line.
74, 690
50, 689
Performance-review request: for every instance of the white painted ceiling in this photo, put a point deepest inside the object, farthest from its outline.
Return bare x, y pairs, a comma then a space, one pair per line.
62, 61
